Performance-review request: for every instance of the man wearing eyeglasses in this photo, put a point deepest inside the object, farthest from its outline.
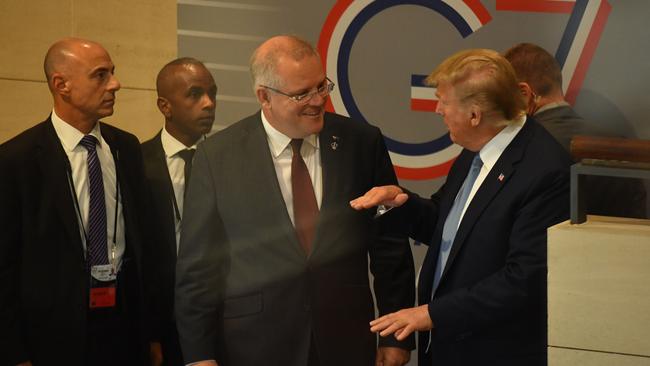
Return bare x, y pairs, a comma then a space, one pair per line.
273, 263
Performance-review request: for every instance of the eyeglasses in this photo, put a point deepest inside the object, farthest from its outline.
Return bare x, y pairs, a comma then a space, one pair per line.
304, 98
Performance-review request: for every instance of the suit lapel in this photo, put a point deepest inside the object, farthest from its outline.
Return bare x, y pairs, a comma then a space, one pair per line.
255, 147
496, 179
166, 191
55, 166
330, 143
454, 181
125, 193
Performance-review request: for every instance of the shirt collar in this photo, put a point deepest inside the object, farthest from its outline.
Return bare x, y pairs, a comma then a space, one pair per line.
70, 136
279, 141
171, 145
552, 105
491, 152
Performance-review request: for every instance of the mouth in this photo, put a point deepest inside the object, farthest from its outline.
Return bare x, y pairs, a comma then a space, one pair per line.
313, 113
206, 121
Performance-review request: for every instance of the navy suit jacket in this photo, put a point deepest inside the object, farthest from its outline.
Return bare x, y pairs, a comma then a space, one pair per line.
490, 306
43, 276
246, 294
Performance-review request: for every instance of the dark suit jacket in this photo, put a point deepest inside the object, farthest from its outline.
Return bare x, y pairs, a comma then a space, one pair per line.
164, 254
246, 294
43, 277
490, 306
605, 196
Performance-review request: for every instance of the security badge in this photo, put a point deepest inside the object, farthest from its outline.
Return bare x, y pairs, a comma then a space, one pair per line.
103, 285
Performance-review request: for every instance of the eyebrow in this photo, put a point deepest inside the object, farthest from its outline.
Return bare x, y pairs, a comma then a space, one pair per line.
304, 91
110, 69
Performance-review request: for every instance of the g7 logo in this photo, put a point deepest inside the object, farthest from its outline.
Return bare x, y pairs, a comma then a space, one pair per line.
432, 159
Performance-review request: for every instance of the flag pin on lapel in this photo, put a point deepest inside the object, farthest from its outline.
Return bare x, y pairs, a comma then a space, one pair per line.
501, 176
334, 145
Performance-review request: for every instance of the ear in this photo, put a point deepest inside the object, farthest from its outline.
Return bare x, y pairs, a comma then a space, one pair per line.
475, 115
60, 84
525, 90
165, 107
263, 97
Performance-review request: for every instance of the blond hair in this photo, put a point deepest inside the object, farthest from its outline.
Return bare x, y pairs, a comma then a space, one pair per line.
483, 77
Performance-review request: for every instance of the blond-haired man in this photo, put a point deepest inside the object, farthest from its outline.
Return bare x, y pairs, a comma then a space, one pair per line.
482, 286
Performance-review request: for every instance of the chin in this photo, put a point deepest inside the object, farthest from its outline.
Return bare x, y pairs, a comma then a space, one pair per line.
105, 113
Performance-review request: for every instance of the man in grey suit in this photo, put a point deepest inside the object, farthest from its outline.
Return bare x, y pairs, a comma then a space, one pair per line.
540, 80
273, 263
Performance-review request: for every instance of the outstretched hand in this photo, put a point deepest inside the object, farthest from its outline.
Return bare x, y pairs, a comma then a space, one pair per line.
402, 323
391, 196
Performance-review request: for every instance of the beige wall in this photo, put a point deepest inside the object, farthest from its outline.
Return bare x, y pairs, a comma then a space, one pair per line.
140, 36
598, 293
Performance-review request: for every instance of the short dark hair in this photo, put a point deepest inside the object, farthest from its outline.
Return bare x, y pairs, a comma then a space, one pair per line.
181, 61
536, 67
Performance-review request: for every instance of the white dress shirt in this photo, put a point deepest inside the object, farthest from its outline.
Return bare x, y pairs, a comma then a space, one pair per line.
78, 157
176, 168
279, 145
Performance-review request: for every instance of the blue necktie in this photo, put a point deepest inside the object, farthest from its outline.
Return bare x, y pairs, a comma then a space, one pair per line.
96, 235
453, 218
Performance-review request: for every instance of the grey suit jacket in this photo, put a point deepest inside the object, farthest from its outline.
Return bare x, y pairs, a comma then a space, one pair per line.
246, 293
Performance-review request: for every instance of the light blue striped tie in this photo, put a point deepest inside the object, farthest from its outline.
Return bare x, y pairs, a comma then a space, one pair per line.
453, 218
96, 236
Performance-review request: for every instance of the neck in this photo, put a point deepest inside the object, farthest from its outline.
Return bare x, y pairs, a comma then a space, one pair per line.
184, 138
75, 119
486, 132
548, 99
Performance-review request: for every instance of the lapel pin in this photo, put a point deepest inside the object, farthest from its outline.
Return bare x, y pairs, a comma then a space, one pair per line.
334, 145
501, 176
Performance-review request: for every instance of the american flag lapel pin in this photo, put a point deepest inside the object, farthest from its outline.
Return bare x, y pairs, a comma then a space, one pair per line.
335, 144
501, 176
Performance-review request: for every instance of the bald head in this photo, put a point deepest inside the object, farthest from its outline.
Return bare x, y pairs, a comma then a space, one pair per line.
263, 62
169, 76
62, 54
80, 75
187, 98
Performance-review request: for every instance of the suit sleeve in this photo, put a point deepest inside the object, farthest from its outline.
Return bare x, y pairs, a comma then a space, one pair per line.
12, 338
200, 266
150, 239
391, 260
522, 279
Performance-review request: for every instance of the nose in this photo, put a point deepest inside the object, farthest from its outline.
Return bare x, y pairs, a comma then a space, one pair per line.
209, 102
317, 100
114, 84
438, 109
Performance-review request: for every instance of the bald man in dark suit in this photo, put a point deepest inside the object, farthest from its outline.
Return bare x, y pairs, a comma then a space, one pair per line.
73, 213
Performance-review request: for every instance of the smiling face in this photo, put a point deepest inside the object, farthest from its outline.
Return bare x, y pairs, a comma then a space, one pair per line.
295, 77
188, 102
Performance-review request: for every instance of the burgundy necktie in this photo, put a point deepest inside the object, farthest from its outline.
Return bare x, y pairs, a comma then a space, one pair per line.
305, 207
